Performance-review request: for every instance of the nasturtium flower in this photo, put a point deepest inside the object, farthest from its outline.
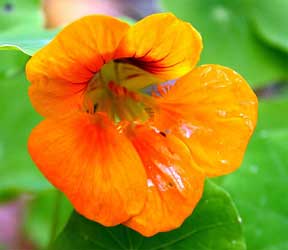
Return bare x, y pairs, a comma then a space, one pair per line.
132, 127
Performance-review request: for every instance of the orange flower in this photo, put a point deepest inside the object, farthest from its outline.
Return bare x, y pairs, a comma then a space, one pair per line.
119, 154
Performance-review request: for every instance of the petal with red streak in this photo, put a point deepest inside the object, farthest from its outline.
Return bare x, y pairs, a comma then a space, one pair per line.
72, 57
95, 166
163, 45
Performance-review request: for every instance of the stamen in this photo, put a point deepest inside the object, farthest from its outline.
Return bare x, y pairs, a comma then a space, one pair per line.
107, 93
121, 91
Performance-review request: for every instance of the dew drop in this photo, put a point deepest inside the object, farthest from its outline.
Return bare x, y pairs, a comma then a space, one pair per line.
187, 130
249, 124
224, 162
222, 113
150, 183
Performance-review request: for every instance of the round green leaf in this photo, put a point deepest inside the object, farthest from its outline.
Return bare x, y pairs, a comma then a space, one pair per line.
271, 21
214, 225
229, 40
259, 187
26, 39
14, 63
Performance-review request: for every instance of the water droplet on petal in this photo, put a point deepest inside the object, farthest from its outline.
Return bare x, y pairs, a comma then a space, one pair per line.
188, 129
222, 113
150, 183
225, 162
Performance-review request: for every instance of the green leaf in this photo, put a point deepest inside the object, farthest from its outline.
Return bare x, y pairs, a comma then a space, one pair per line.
18, 173
229, 40
215, 224
46, 215
26, 39
15, 13
14, 63
271, 22
22, 26
259, 187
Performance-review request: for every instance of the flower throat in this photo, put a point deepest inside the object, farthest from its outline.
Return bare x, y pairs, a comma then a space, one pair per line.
110, 91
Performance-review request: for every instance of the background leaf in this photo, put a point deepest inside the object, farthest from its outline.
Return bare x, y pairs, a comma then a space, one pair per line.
22, 26
229, 39
259, 187
18, 173
46, 214
16, 13
14, 64
26, 40
271, 22
215, 224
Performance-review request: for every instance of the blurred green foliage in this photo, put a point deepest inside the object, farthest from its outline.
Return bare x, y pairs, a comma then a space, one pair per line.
46, 216
14, 64
270, 21
18, 173
16, 14
229, 38
249, 36
21, 26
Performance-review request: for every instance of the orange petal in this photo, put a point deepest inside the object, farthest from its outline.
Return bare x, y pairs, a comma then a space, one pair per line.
163, 45
214, 111
96, 167
74, 55
51, 98
174, 185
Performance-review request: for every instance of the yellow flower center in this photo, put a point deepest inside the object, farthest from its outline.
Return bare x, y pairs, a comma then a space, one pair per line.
117, 89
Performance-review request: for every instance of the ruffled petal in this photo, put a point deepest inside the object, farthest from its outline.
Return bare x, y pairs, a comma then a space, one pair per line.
174, 185
163, 45
214, 111
97, 168
73, 57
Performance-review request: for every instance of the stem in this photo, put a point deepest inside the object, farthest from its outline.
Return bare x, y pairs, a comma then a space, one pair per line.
55, 217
